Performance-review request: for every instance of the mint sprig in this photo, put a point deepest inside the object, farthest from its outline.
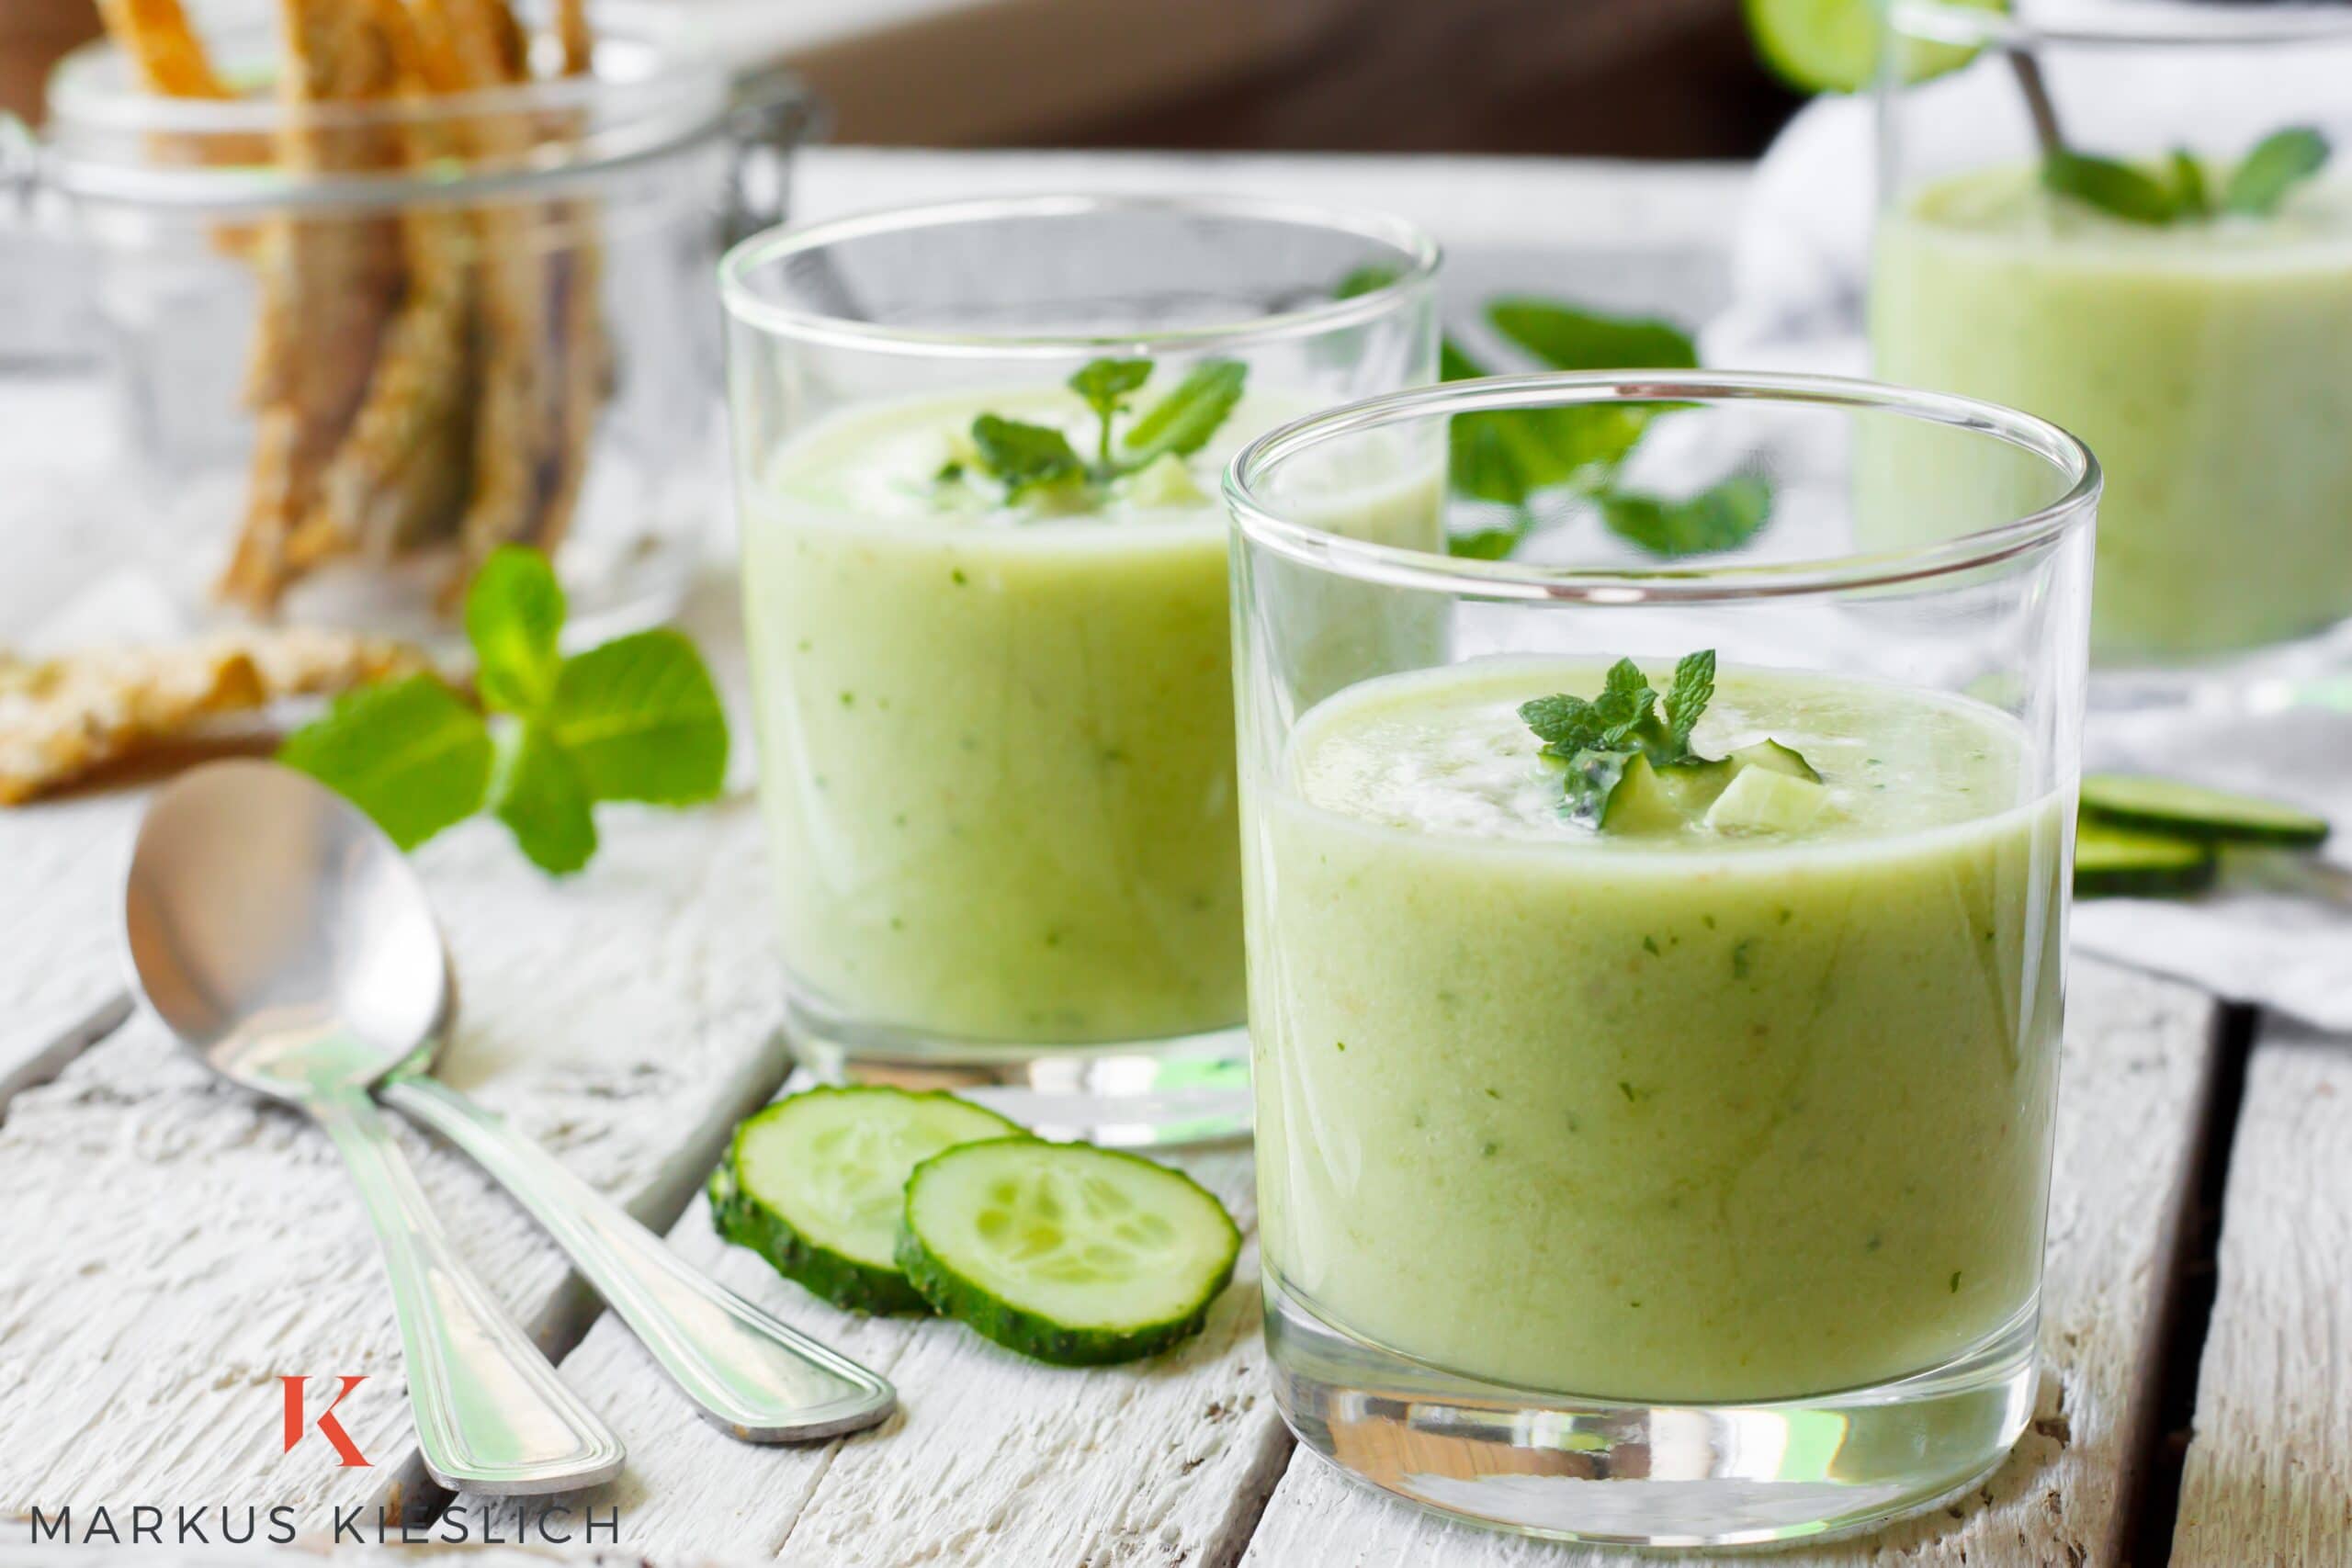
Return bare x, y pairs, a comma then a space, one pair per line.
1599, 738
636, 718
1722, 517
2181, 191
1025, 457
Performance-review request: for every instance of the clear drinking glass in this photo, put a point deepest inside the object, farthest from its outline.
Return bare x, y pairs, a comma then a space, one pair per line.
996, 730
2204, 353
1680, 1180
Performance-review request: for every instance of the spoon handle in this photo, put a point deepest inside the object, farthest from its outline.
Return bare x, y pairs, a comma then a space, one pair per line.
492, 1415
759, 1379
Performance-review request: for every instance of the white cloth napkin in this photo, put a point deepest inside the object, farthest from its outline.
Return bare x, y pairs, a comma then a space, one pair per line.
2277, 931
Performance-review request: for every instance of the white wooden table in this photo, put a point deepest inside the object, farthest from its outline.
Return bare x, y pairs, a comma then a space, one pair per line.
169, 1248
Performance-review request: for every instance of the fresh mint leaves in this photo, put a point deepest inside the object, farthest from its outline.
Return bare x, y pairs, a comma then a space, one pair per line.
636, 718
1508, 457
410, 754
1599, 738
2181, 191
1026, 458
1722, 517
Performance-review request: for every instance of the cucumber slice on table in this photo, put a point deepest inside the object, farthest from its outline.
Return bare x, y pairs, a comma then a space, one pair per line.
1066, 1252
815, 1184
2166, 806
2125, 860
1832, 46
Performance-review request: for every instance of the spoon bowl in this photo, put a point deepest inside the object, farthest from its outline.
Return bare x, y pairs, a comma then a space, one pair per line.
278, 932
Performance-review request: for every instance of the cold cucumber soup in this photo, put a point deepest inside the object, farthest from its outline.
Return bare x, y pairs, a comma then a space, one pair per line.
2208, 363
997, 727
1743, 1094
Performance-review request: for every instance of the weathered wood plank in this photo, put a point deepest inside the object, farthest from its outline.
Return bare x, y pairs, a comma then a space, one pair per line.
172, 1245
992, 1458
2135, 1079
60, 906
2269, 1469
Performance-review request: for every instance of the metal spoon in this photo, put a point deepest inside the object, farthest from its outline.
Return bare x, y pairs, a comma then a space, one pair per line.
298, 897
270, 935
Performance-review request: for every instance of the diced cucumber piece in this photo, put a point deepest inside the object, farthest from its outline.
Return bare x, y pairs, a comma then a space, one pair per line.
2125, 860
1775, 758
2187, 810
816, 1182
1066, 1252
1762, 799
1661, 800
1832, 46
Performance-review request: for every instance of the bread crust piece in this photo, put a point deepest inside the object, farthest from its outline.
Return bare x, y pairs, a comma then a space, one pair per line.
400, 479
62, 718
330, 285
165, 51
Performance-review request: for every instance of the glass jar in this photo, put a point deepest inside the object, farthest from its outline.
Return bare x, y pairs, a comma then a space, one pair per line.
996, 723
351, 351
2204, 352
1654, 1134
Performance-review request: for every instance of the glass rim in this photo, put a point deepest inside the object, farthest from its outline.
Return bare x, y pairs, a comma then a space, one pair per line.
1399, 567
673, 94
745, 304
2150, 25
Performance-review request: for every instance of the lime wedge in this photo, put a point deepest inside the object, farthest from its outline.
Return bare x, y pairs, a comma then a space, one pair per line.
1832, 46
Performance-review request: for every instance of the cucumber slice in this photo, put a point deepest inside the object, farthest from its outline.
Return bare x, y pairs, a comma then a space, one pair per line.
815, 1184
1066, 1252
1763, 799
1774, 758
2125, 860
2192, 811
1832, 46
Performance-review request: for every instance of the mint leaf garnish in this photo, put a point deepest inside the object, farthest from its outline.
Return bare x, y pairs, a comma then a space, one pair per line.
514, 614
1104, 384
2190, 196
636, 719
1601, 740
1722, 517
2278, 163
641, 721
2114, 187
410, 754
1025, 457
1183, 422
539, 796
2180, 191
1694, 689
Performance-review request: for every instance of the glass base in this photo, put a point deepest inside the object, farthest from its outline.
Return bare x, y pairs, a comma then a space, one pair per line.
2313, 671
1618, 1473
1190, 1089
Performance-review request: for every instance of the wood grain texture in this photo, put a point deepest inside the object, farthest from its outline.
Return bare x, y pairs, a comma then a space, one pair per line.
61, 907
2269, 1472
2135, 1076
171, 1246
992, 1459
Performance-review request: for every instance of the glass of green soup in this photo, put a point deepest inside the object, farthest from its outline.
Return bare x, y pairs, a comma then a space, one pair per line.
2138, 223
1656, 956
985, 589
